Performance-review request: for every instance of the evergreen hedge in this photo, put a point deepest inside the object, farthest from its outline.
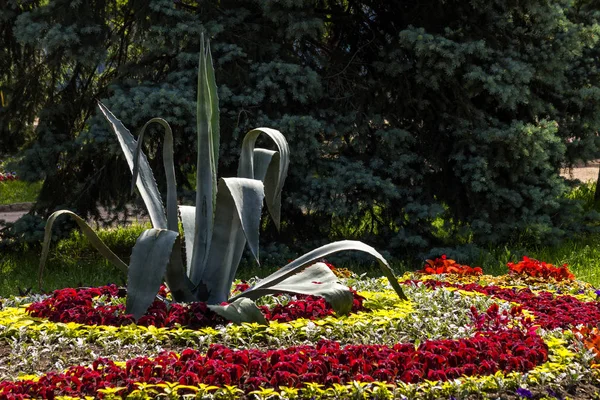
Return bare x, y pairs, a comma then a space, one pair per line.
412, 125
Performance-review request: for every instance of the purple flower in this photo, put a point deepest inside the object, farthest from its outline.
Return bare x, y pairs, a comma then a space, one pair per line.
522, 392
554, 394
597, 293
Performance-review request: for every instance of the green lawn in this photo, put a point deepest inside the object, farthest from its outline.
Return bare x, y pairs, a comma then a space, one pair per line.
73, 261
19, 191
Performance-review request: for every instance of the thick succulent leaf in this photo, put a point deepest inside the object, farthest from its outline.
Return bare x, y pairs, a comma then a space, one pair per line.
169, 165
262, 160
215, 125
206, 167
87, 231
316, 280
272, 194
322, 252
241, 310
145, 182
246, 168
266, 169
147, 267
175, 277
188, 220
237, 220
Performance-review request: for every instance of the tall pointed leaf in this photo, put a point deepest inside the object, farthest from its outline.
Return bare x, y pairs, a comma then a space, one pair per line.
145, 182
277, 173
215, 124
237, 220
315, 280
188, 220
169, 166
206, 166
89, 234
176, 277
147, 267
322, 252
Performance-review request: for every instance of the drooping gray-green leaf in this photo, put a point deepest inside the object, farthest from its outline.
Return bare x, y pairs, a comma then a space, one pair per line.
262, 160
169, 166
241, 310
322, 252
277, 172
315, 280
175, 276
89, 234
147, 267
237, 221
188, 220
207, 152
145, 182
266, 169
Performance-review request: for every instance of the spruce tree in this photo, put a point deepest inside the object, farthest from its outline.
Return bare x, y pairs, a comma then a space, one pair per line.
401, 116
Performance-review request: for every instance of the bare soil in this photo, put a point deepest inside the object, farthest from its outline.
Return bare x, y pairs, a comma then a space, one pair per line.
584, 173
11, 212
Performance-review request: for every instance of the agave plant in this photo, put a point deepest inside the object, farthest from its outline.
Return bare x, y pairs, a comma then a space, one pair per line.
225, 218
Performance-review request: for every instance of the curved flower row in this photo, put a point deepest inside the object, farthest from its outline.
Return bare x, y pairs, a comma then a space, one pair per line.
81, 306
551, 311
326, 363
458, 335
438, 314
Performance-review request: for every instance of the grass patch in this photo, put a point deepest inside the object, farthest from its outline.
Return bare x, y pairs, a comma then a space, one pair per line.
18, 273
19, 191
582, 255
74, 262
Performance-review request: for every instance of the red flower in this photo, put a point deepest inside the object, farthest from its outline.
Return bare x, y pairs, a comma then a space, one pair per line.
531, 267
77, 305
445, 265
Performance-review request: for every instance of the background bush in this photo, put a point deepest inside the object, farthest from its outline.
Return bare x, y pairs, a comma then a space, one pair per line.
412, 125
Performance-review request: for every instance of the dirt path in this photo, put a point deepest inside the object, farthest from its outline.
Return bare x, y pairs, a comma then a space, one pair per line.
12, 212
584, 173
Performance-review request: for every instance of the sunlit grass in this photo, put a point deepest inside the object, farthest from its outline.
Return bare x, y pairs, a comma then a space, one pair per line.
18, 273
19, 191
581, 254
74, 262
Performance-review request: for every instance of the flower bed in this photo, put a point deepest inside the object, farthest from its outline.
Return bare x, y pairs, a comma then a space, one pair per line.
7, 175
530, 334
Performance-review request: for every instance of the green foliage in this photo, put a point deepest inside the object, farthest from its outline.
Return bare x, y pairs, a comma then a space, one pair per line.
18, 191
119, 239
584, 193
226, 217
399, 115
